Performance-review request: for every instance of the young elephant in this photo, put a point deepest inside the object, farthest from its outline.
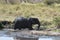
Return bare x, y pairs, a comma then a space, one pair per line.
5, 22
21, 22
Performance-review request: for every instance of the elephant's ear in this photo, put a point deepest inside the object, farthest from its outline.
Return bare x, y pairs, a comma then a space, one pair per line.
33, 20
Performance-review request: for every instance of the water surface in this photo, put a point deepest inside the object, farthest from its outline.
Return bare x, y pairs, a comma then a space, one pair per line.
6, 38
49, 38
5, 35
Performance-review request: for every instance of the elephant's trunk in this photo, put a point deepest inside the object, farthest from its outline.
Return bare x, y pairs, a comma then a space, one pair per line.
38, 26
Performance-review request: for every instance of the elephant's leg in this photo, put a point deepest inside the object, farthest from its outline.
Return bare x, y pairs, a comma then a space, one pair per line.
19, 28
15, 28
30, 28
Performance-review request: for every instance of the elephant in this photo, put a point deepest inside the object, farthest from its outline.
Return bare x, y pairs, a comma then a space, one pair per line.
5, 22
21, 22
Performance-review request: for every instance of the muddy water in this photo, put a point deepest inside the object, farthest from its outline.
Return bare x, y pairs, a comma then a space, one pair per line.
14, 35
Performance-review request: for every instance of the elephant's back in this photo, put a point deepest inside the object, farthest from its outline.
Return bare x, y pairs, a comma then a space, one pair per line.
19, 19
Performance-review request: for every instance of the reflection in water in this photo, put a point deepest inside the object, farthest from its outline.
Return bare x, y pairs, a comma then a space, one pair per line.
45, 39
6, 38
49, 38
7, 35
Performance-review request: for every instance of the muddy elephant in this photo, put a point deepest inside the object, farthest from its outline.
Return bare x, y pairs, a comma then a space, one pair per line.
21, 22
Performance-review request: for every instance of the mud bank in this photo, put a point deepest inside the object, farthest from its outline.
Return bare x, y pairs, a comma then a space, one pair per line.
32, 32
26, 34
45, 33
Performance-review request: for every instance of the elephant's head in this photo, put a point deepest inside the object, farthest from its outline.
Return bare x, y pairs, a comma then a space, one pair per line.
35, 21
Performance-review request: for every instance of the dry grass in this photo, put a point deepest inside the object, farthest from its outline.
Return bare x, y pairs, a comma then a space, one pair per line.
41, 11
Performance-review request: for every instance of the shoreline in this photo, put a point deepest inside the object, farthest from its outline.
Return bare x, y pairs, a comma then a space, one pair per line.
34, 32
45, 33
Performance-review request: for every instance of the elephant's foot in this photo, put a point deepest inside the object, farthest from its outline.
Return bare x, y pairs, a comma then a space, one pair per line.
30, 28
14, 28
19, 28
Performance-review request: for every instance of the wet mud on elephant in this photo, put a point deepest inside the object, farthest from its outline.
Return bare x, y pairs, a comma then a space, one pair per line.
21, 22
